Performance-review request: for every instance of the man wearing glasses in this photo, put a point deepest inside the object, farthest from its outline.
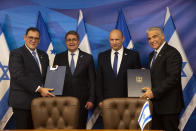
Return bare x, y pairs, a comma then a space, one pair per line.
80, 75
27, 66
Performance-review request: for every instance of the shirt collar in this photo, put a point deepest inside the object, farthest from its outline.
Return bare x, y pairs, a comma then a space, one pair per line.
75, 52
120, 51
159, 49
30, 49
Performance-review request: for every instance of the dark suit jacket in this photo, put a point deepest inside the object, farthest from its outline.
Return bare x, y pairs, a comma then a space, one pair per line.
166, 81
25, 77
107, 84
82, 83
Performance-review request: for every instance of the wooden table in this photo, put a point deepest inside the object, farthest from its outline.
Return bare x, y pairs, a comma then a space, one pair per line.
77, 130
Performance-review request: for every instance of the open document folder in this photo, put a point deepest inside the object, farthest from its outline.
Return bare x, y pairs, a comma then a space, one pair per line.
55, 79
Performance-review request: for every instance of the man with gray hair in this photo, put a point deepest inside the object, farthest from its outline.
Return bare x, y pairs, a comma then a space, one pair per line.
165, 63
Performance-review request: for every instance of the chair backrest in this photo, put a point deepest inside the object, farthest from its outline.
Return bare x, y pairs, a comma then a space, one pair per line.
123, 113
55, 112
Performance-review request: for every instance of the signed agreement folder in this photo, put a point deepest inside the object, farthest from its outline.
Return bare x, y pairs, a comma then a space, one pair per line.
137, 79
55, 79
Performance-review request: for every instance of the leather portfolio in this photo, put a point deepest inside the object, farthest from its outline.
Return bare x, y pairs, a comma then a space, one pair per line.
137, 79
55, 78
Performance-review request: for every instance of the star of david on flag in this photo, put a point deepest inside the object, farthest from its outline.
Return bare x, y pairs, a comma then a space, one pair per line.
187, 77
3, 72
5, 111
145, 115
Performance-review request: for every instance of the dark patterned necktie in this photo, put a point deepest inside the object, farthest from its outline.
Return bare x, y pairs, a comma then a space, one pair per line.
35, 57
154, 57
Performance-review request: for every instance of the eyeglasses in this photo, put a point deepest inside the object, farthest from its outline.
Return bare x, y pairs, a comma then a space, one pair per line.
74, 40
33, 38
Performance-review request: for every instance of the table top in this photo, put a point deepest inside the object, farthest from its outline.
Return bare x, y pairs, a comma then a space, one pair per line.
78, 130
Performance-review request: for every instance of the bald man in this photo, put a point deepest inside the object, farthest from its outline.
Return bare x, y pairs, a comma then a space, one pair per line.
111, 79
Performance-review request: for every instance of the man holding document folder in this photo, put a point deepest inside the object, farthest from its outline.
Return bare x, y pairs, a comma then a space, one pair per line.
27, 66
80, 75
165, 63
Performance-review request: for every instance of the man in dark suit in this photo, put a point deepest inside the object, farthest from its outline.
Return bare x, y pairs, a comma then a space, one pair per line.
27, 78
80, 75
165, 63
112, 68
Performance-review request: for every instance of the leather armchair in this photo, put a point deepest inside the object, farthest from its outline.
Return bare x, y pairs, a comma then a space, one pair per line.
55, 112
123, 113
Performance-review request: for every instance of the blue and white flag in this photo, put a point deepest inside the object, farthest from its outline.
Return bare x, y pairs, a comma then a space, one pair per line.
45, 41
81, 29
85, 46
122, 25
5, 111
187, 77
145, 115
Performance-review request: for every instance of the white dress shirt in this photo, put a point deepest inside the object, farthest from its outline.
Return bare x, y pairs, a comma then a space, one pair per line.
75, 57
120, 55
157, 52
38, 62
36, 56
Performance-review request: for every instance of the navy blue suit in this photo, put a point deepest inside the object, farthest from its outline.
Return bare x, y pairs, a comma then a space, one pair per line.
81, 83
166, 87
25, 78
107, 84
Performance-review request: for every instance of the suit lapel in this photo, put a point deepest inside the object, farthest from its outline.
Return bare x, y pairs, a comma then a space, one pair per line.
161, 53
80, 59
65, 56
31, 59
108, 62
41, 59
66, 62
150, 59
123, 61
28, 54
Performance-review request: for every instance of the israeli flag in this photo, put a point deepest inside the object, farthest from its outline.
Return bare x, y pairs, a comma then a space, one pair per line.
84, 43
187, 77
45, 41
145, 115
5, 111
122, 25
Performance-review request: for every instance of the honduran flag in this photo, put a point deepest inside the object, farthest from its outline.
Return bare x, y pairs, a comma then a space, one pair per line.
45, 41
122, 26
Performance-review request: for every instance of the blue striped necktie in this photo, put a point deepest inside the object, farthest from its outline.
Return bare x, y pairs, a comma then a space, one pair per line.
35, 57
115, 63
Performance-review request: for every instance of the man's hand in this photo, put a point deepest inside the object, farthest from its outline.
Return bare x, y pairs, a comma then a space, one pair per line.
100, 104
148, 93
89, 105
45, 91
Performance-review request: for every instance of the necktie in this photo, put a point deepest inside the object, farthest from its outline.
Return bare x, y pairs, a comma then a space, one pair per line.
35, 57
115, 63
72, 65
154, 57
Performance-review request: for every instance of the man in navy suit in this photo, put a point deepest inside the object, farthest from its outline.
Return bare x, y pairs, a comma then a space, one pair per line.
80, 75
27, 66
165, 63
112, 68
